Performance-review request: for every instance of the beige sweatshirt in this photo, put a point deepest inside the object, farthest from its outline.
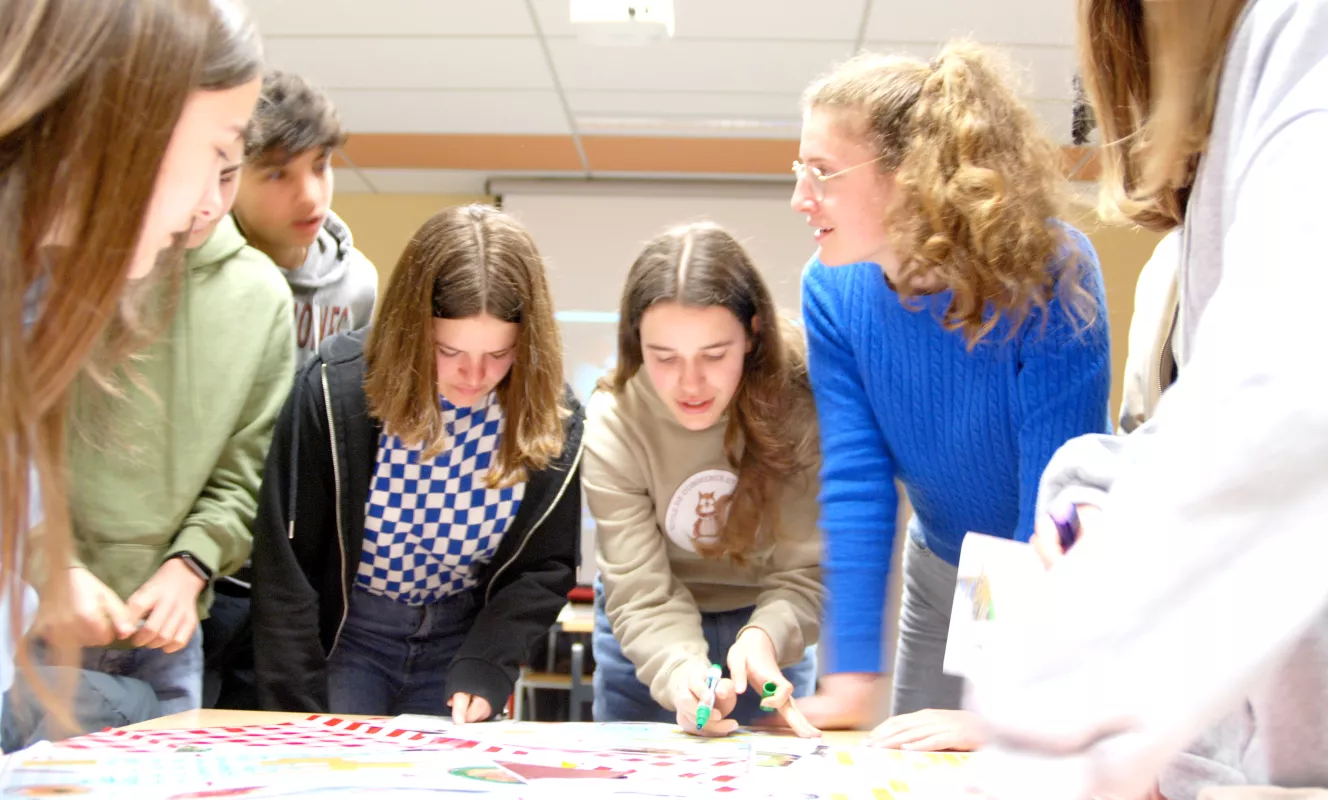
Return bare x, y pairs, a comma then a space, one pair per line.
653, 488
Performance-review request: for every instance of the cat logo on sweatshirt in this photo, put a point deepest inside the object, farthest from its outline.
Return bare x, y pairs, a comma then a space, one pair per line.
699, 507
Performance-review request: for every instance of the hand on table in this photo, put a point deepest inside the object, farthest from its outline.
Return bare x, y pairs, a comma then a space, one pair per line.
930, 729
846, 701
753, 663
469, 708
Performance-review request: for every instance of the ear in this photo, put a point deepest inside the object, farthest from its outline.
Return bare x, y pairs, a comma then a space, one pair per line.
756, 331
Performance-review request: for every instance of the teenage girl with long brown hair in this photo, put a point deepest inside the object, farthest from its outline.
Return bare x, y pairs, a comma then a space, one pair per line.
418, 524
701, 475
116, 119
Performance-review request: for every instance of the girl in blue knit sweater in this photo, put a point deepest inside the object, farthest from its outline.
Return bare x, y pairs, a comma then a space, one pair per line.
957, 336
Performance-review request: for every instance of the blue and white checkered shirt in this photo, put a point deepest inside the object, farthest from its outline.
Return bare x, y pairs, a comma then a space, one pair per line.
428, 526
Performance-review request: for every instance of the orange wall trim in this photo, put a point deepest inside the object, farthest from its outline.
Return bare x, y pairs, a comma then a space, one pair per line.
677, 154
462, 151
554, 153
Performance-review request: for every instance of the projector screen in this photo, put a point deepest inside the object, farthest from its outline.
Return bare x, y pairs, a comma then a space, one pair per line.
590, 233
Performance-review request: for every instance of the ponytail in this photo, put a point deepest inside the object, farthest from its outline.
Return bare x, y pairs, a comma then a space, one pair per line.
979, 183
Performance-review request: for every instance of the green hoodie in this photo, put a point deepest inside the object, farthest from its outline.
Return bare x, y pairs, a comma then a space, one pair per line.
175, 464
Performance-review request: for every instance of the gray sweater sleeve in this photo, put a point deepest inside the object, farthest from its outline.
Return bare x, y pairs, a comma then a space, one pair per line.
1209, 565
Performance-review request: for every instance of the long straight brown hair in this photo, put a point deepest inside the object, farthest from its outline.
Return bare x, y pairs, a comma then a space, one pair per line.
90, 92
770, 438
463, 262
1152, 70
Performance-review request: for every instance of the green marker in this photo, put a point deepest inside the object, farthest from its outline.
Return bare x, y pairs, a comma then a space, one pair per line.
707, 706
768, 691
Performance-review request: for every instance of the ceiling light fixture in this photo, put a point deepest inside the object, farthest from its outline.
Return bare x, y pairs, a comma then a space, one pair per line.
622, 23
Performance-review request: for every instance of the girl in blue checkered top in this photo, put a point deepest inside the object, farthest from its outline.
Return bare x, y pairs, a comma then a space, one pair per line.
418, 523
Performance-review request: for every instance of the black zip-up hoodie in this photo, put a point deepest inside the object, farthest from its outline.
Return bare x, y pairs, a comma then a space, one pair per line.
310, 531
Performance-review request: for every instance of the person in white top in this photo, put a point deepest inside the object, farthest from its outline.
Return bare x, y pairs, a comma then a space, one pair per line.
1200, 584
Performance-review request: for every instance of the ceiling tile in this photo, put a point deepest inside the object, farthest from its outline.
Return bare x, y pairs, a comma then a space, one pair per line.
776, 67
337, 62
685, 104
738, 19
451, 111
1046, 22
392, 17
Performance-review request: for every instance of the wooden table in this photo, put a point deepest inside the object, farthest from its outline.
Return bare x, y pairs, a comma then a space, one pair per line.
212, 718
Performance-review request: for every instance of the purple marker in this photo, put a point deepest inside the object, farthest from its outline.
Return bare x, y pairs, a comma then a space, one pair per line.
1067, 524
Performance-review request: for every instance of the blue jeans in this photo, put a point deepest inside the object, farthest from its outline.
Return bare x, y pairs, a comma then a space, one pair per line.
393, 658
621, 697
176, 678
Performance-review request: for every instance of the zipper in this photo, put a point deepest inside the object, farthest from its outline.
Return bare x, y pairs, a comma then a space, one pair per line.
576, 461
336, 482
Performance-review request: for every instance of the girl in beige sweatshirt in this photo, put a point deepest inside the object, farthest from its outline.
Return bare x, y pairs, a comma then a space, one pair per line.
700, 470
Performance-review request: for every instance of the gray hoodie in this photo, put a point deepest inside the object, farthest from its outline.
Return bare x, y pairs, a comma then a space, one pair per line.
1203, 590
334, 290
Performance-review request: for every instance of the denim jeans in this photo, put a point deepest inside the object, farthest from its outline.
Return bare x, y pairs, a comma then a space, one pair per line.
393, 658
228, 653
100, 701
176, 678
621, 697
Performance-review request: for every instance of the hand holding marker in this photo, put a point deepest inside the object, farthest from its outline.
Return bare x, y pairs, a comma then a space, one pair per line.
767, 692
1066, 519
707, 706
789, 711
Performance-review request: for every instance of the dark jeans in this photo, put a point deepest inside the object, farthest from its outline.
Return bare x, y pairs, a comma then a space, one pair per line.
228, 652
393, 658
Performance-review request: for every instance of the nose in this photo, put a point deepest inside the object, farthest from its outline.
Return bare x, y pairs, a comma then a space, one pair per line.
313, 194
209, 205
693, 378
466, 368
802, 201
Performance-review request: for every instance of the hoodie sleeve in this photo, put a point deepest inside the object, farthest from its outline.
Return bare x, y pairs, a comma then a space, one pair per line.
653, 614
295, 534
1209, 563
789, 606
216, 529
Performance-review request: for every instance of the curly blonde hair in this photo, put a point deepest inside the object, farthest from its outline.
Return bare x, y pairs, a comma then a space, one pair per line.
979, 185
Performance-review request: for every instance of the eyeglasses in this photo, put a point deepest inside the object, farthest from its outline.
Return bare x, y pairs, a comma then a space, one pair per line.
818, 178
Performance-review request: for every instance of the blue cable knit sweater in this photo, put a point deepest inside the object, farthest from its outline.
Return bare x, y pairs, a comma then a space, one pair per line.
967, 433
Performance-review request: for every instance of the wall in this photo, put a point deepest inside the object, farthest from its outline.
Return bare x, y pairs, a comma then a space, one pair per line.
382, 224
1122, 251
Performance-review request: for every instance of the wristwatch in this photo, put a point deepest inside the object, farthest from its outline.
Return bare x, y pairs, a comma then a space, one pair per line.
196, 566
